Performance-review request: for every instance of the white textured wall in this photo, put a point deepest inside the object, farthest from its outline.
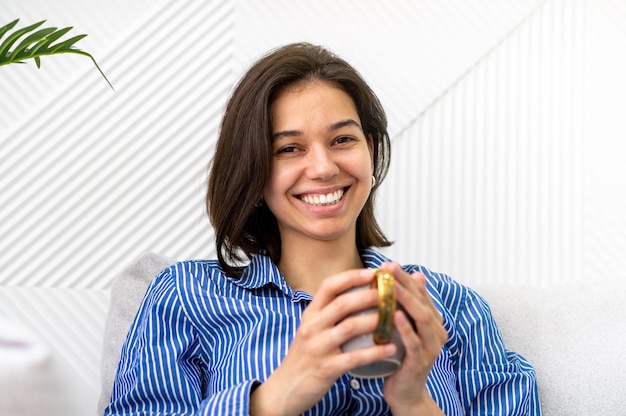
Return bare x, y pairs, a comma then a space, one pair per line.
507, 121
496, 160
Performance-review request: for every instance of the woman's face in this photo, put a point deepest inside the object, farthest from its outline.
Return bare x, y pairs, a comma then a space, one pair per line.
322, 164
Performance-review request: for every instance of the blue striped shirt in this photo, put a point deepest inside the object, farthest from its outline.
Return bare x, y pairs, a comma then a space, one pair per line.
202, 341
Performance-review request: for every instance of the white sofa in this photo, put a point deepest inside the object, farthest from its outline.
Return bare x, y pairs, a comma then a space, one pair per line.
573, 334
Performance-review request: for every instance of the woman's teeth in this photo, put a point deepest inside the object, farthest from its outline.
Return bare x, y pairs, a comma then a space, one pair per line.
328, 199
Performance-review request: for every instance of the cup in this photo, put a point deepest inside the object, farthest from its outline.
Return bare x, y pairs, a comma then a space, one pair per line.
385, 332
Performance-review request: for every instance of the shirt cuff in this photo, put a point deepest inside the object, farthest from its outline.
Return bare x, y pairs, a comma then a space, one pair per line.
232, 402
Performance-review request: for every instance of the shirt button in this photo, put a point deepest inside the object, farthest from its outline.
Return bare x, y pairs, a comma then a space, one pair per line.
354, 384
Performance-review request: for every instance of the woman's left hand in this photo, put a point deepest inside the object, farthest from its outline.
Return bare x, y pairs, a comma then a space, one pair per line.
405, 390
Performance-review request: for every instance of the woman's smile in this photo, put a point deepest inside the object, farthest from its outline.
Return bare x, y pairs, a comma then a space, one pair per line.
331, 198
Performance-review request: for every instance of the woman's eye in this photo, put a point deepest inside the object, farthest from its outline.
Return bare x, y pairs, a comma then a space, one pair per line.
343, 139
287, 149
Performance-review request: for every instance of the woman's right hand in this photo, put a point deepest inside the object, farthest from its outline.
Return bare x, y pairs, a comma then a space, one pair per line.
315, 359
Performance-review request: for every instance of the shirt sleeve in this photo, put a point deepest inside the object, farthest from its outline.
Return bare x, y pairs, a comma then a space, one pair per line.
162, 365
492, 380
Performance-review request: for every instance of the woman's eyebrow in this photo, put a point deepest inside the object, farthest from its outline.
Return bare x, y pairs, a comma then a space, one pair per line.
335, 126
344, 123
286, 133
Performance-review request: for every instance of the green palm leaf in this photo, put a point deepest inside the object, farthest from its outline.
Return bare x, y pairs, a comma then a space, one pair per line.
37, 43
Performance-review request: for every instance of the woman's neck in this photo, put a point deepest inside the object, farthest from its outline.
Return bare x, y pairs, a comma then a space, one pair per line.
306, 265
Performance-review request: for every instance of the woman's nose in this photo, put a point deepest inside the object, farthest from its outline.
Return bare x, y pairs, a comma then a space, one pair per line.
321, 164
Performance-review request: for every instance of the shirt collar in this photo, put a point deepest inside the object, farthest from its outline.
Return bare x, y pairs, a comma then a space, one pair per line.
260, 272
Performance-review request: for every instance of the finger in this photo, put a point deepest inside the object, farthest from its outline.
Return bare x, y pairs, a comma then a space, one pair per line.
420, 280
415, 284
333, 286
407, 331
356, 301
425, 342
424, 319
418, 304
353, 326
324, 314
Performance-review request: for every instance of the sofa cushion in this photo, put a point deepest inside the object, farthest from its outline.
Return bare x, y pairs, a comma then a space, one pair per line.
573, 334
127, 292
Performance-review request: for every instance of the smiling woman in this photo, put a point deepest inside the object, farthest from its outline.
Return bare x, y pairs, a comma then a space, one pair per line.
302, 149
235, 190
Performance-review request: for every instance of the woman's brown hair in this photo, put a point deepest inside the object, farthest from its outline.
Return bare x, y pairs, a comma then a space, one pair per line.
243, 155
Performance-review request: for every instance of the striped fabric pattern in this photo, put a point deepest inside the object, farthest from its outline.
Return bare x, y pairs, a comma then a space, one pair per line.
202, 341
